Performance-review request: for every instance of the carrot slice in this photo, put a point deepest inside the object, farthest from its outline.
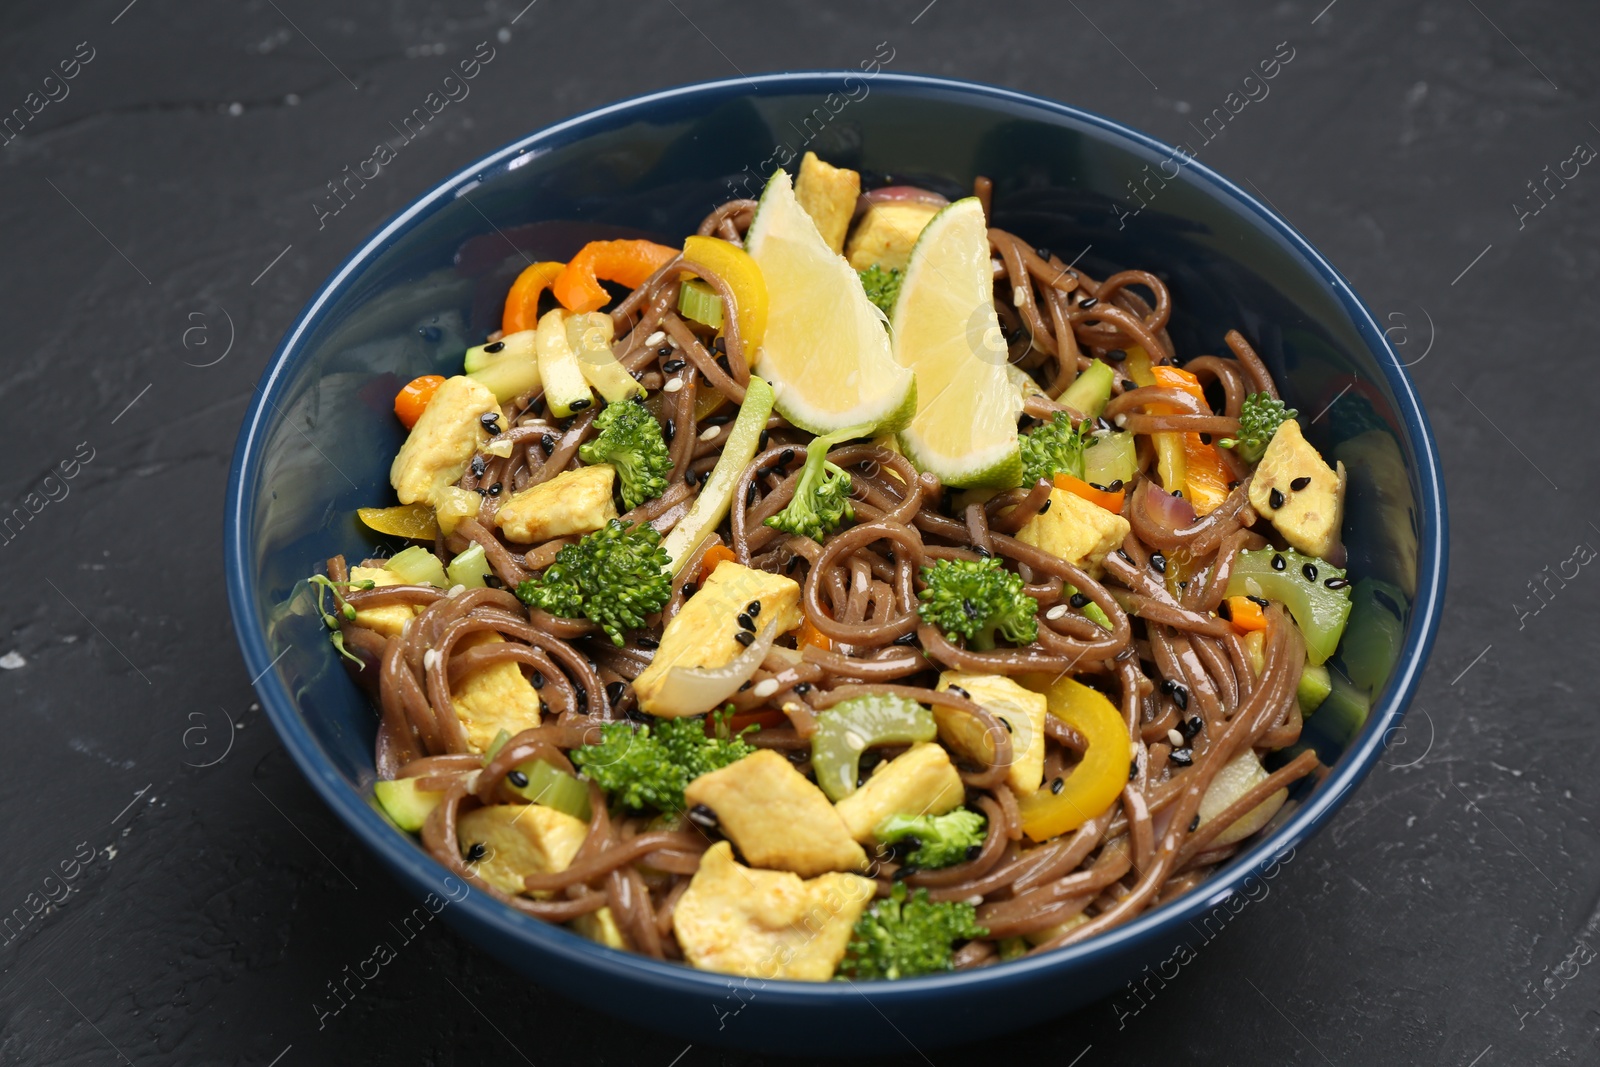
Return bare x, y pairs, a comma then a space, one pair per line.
522, 303
410, 402
627, 263
714, 556
1112, 502
1246, 615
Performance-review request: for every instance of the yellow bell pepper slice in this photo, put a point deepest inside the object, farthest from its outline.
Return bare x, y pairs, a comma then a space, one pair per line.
734, 266
1169, 446
1097, 780
415, 521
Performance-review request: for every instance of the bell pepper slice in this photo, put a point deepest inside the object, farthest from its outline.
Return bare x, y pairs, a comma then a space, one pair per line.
1098, 779
1104, 498
627, 263
1205, 475
522, 303
1246, 615
735, 267
411, 401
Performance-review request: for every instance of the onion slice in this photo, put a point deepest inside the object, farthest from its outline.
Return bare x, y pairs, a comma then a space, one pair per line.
696, 690
898, 194
1173, 512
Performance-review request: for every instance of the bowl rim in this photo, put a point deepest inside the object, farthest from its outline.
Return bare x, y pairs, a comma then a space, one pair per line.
500, 920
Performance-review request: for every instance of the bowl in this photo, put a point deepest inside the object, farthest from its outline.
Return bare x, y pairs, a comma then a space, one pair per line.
319, 435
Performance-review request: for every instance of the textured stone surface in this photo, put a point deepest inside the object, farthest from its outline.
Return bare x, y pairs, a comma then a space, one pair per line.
222, 897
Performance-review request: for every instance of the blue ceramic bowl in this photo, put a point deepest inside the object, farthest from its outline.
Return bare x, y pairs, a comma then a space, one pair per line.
319, 436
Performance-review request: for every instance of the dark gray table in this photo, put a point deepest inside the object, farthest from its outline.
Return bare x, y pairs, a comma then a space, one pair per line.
160, 234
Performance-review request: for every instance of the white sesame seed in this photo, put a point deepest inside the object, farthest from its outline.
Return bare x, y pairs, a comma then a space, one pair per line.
710, 433
430, 659
673, 385
456, 590
1056, 612
1176, 738
975, 899
1133, 749
1122, 420
1018, 296
765, 689
655, 338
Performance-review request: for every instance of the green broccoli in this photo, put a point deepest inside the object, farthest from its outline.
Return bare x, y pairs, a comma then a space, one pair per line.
648, 766
1259, 418
902, 938
935, 840
614, 576
822, 493
978, 599
629, 438
1052, 449
882, 286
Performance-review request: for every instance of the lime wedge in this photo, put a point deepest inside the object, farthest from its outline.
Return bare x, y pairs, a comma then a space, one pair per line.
946, 330
825, 350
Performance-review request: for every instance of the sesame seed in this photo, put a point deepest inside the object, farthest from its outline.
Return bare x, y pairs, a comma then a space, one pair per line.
689, 477
765, 688
1121, 420
517, 778
1133, 768
538, 680
1335, 583
1194, 823
1278, 562
1116, 355
430, 659
456, 590
1089, 303
1180, 697
672, 386
1310, 571
786, 457
476, 852
1224, 611
1176, 738
1046, 507
960, 692
1183, 757
746, 622
547, 442
1191, 726
710, 433
750, 496
1159, 562
761, 442
1299, 484
655, 338
1056, 612
490, 421
581, 404
495, 347
646, 641
1018, 297
1258, 601
664, 350
1275, 498
745, 638
673, 366
1128, 386
753, 609
1057, 784
1079, 600
1133, 750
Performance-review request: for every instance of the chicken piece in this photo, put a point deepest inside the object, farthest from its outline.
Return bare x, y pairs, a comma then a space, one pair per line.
1309, 517
1021, 709
390, 619
767, 924
704, 633
1076, 530
573, 502
777, 816
919, 781
829, 196
493, 698
514, 840
442, 442
886, 235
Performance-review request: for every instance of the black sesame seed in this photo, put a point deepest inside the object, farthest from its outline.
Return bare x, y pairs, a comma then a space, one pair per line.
1007, 725
1388, 602
1159, 562
1057, 784
1015, 335
1299, 484
1116, 355
689, 477
1259, 601
517, 778
960, 692
614, 691
1133, 770
664, 350
496, 488
803, 688
648, 642
722, 361
719, 345
1168, 685
1128, 386
1310, 571
1224, 611
1191, 726
753, 609
493, 581
1046, 507
761, 442
1275, 498
580, 404
481, 491
538, 680
673, 366
669, 431
1088, 303
703, 816
1205, 439
477, 466
1102, 488
494, 346
750, 496
476, 852
745, 638
1115, 486
689, 589
1183, 757
1194, 824
547, 442
583, 697
1234, 485
984, 553
973, 852
1180, 697
744, 685
785, 457
490, 421
746, 622
907, 639
1043, 253
1178, 493
1124, 554
1078, 600
1278, 562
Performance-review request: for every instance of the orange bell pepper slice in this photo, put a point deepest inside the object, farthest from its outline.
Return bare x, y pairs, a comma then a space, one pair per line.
715, 555
627, 263
1246, 615
1205, 474
412, 401
522, 303
1112, 502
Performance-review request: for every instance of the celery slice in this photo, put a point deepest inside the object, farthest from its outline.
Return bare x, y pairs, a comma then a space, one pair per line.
418, 566
554, 788
1090, 390
469, 568
711, 506
1110, 457
698, 302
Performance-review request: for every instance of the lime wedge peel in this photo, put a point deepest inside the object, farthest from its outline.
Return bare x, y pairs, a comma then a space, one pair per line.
825, 350
945, 329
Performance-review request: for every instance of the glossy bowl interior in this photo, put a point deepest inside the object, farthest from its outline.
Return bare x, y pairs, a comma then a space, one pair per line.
317, 442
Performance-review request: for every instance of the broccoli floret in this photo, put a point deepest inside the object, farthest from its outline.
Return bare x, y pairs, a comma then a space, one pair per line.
882, 286
901, 938
978, 599
614, 576
822, 492
629, 439
1052, 449
935, 840
648, 766
1259, 418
